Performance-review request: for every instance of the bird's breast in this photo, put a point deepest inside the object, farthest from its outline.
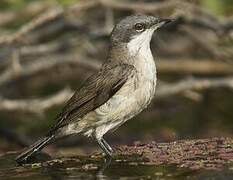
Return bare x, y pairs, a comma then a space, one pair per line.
134, 95
146, 80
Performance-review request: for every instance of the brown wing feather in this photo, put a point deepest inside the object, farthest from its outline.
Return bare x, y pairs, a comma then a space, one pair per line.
94, 92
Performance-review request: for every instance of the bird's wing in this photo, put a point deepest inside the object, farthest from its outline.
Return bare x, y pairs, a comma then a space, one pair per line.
95, 91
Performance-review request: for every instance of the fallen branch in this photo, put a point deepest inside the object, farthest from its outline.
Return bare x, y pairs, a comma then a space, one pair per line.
36, 106
189, 66
193, 84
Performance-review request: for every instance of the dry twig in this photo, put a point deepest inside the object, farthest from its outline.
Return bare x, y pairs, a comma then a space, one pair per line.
193, 84
36, 106
48, 16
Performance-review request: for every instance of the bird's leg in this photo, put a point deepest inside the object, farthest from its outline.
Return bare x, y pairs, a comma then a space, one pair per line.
107, 145
104, 148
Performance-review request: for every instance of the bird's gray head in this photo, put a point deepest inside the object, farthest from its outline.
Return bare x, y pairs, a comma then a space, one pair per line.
140, 27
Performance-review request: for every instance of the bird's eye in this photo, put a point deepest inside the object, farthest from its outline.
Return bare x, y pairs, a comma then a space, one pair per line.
139, 27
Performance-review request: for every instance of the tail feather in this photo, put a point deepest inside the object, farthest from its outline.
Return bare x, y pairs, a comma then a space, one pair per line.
37, 146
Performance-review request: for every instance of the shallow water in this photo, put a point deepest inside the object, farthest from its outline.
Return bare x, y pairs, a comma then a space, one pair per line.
98, 168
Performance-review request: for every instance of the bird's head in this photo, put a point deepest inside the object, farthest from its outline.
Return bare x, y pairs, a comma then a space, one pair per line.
136, 30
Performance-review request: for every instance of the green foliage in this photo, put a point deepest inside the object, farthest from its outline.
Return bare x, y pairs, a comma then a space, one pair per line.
219, 7
13, 4
66, 2
19, 4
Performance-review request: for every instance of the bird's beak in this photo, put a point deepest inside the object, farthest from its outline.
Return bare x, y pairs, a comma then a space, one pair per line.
162, 22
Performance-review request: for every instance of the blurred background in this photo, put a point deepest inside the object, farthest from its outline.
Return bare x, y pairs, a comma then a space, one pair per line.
49, 47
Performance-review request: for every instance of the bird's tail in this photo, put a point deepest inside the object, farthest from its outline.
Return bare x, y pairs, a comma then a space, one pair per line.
37, 146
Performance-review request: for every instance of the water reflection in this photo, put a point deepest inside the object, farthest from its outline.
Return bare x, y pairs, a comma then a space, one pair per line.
100, 174
80, 169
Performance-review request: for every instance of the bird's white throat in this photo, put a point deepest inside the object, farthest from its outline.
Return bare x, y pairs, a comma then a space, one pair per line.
140, 44
139, 50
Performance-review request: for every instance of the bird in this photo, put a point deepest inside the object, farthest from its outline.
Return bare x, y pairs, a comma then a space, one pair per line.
121, 89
